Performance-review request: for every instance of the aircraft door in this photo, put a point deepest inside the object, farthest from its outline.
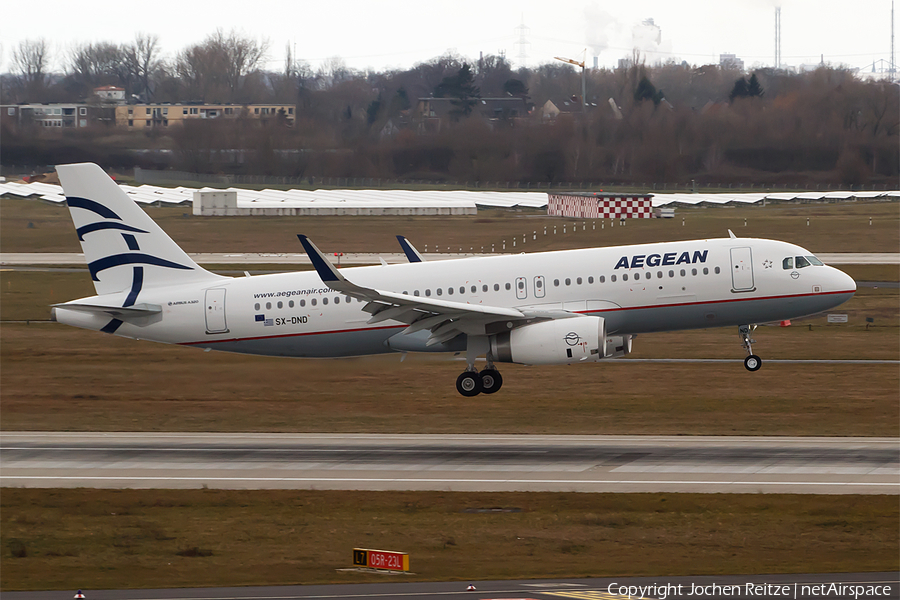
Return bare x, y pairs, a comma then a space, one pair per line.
521, 288
215, 311
539, 286
742, 270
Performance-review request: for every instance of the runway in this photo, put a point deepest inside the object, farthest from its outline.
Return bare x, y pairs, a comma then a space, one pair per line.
276, 258
709, 464
855, 586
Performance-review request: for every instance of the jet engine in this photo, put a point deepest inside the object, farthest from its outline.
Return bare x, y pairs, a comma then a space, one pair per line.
555, 342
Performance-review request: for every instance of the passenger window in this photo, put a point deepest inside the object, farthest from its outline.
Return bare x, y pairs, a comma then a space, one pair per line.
474, 289
612, 277
624, 276
484, 288
256, 306
671, 273
405, 293
705, 271
718, 270
683, 273
659, 274
556, 283
280, 304
507, 287
427, 292
439, 291
787, 263
578, 281
325, 300
568, 281
694, 272
602, 279
269, 305
801, 262
337, 299
450, 291
303, 303
415, 292
291, 304
521, 285
462, 289
313, 302
496, 287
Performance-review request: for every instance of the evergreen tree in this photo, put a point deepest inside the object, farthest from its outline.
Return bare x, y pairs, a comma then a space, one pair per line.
461, 87
739, 90
647, 91
514, 87
754, 89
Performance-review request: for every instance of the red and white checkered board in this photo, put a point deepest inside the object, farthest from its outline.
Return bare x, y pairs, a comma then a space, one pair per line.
636, 207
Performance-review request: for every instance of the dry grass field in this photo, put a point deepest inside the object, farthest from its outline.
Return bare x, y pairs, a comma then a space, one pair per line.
33, 226
101, 539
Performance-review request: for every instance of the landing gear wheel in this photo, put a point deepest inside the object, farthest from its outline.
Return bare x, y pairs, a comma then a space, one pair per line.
753, 363
469, 384
490, 381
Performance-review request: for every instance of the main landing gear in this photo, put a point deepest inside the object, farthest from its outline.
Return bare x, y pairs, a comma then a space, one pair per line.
752, 362
471, 382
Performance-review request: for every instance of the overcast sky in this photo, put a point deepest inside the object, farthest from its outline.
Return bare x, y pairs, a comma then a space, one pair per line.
382, 34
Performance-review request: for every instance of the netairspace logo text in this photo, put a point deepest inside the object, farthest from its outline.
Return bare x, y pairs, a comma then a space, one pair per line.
751, 590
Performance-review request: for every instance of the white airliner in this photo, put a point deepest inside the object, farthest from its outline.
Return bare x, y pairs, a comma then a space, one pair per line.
569, 306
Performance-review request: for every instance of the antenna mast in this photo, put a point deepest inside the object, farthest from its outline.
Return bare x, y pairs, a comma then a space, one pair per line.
777, 37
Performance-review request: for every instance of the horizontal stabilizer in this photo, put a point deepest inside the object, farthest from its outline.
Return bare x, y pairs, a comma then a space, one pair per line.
119, 312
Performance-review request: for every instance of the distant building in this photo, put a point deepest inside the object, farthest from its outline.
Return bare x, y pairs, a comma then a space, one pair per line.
430, 112
110, 93
731, 62
142, 116
56, 115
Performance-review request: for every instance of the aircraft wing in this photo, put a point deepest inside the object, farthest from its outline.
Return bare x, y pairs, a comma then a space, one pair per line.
445, 319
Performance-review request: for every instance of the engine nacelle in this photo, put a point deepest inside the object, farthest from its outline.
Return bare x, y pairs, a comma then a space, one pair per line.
556, 342
617, 345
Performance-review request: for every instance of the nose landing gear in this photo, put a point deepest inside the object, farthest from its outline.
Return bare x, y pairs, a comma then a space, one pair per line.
752, 362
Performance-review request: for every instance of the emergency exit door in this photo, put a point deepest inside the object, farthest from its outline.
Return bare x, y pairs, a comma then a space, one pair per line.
215, 311
742, 269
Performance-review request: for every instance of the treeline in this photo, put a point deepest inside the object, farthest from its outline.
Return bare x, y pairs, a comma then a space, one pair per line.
666, 123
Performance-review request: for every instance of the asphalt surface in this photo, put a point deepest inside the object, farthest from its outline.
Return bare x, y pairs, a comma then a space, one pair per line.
74, 258
787, 586
709, 464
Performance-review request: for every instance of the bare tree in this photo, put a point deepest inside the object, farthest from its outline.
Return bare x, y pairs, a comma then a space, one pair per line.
142, 57
31, 59
214, 71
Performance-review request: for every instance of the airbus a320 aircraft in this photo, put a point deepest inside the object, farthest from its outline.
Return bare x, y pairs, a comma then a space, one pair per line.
569, 306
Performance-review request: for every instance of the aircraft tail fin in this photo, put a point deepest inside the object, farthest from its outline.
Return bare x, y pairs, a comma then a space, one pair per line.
124, 248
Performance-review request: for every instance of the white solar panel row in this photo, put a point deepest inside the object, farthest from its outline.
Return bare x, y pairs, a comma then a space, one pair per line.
148, 194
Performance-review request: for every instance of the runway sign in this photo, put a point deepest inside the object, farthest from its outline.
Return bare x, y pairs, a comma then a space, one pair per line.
381, 559
833, 318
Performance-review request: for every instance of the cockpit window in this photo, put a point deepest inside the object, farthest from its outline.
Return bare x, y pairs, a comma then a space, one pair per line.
802, 262
788, 263
815, 261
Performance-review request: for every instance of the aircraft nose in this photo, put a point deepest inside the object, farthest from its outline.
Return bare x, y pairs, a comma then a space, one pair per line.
843, 282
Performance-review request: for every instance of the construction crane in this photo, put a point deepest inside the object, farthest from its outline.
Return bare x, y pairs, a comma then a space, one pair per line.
577, 64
